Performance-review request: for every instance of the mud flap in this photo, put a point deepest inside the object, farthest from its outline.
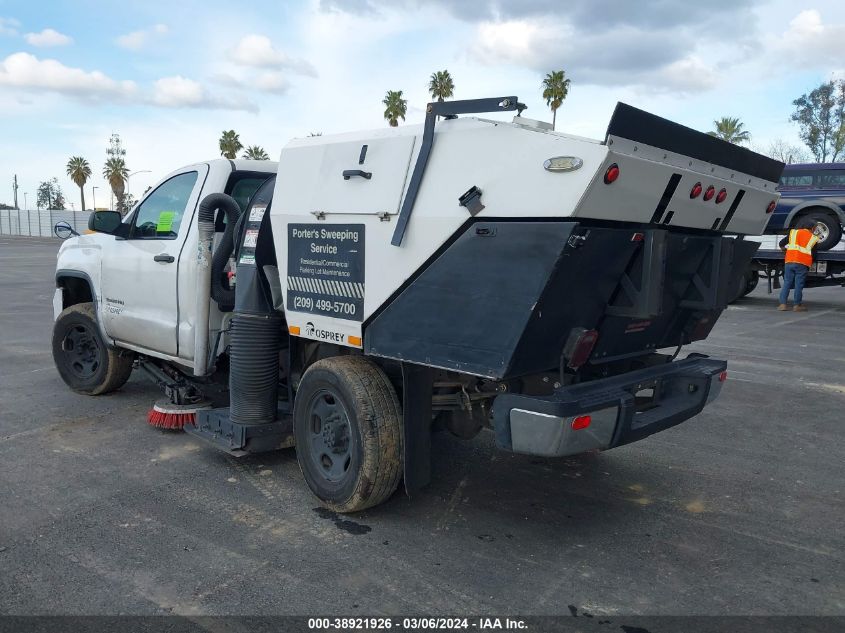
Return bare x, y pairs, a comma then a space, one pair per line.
417, 387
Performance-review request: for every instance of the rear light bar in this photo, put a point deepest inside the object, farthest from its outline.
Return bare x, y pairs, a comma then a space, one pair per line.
708, 195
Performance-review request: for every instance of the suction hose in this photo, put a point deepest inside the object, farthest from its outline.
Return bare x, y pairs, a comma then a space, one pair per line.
222, 294
256, 331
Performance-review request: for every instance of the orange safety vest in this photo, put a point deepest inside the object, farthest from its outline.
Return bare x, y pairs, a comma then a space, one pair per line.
800, 247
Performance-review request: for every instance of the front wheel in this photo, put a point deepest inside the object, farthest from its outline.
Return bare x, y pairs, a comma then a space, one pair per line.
347, 423
85, 362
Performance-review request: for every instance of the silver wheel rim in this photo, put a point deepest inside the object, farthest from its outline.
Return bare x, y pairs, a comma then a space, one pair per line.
821, 231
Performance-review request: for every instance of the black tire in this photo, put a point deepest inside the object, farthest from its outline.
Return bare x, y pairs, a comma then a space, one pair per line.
752, 278
85, 362
830, 227
347, 424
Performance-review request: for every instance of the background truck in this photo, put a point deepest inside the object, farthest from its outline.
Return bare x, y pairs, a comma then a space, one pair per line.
468, 273
815, 191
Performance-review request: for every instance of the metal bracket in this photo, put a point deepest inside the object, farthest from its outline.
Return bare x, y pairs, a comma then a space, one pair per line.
645, 296
432, 111
706, 279
471, 200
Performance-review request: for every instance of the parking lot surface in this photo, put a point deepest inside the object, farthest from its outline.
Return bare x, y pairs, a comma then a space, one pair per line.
738, 511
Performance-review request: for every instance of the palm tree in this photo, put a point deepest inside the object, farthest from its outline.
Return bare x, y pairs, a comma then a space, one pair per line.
395, 107
230, 144
555, 89
116, 173
79, 171
730, 130
255, 152
441, 86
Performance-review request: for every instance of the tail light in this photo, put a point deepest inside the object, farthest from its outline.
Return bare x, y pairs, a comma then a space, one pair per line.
695, 191
581, 422
611, 174
579, 346
723, 376
771, 207
720, 197
708, 195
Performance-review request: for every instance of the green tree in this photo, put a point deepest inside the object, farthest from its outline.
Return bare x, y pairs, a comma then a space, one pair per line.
79, 171
395, 107
49, 195
819, 115
255, 152
230, 144
116, 173
730, 129
555, 89
441, 86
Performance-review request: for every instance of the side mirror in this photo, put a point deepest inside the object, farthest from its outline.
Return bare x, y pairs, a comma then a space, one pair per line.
105, 221
64, 230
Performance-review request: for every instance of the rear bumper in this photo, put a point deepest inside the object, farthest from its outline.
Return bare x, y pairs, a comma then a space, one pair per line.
542, 425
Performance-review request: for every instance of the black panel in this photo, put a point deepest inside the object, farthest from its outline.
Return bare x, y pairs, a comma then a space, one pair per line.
641, 126
468, 309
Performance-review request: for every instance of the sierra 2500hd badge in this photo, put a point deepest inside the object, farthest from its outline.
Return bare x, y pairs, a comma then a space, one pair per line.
326, 270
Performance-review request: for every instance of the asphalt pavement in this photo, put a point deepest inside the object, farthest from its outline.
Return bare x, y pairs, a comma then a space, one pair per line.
738, 511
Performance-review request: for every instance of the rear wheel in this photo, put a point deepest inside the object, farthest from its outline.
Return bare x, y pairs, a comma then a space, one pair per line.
84, 361
828, 229
347, 423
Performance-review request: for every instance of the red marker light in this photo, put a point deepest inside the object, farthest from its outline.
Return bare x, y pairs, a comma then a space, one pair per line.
720, 197
611, 174
581, 422
723, 376
771, 207
695, 191
708, 195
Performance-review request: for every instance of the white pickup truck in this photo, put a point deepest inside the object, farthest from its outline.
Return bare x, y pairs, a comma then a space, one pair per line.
134, 285
465, 273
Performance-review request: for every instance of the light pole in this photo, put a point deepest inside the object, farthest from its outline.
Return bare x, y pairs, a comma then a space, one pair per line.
24, 201
94, 197
140, 171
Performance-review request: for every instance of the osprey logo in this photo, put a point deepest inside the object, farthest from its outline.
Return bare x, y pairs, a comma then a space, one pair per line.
324, 335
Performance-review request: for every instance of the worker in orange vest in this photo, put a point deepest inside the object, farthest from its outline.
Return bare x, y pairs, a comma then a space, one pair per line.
800, 245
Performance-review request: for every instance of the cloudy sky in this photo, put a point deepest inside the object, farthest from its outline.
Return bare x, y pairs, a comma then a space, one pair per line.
170, 76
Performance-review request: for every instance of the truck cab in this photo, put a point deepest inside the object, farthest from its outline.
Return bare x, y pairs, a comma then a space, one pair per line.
154, 246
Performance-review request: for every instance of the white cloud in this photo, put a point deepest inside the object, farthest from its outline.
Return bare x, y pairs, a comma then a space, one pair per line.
48, 37
9, 26
810, 42
180, 92
136, 40
257, 51
272, 82
27, 72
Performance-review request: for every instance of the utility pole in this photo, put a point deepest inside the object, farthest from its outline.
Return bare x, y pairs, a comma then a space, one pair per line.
15, 190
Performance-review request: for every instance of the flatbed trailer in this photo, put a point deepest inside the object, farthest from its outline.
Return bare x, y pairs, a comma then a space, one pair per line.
828, 268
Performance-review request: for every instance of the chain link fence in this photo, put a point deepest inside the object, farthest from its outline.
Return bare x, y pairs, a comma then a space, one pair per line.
40, 223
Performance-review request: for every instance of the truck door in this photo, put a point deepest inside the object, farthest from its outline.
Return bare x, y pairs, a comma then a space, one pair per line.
139, 275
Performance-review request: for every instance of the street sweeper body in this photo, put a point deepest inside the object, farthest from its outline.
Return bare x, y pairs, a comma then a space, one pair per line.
465, 274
